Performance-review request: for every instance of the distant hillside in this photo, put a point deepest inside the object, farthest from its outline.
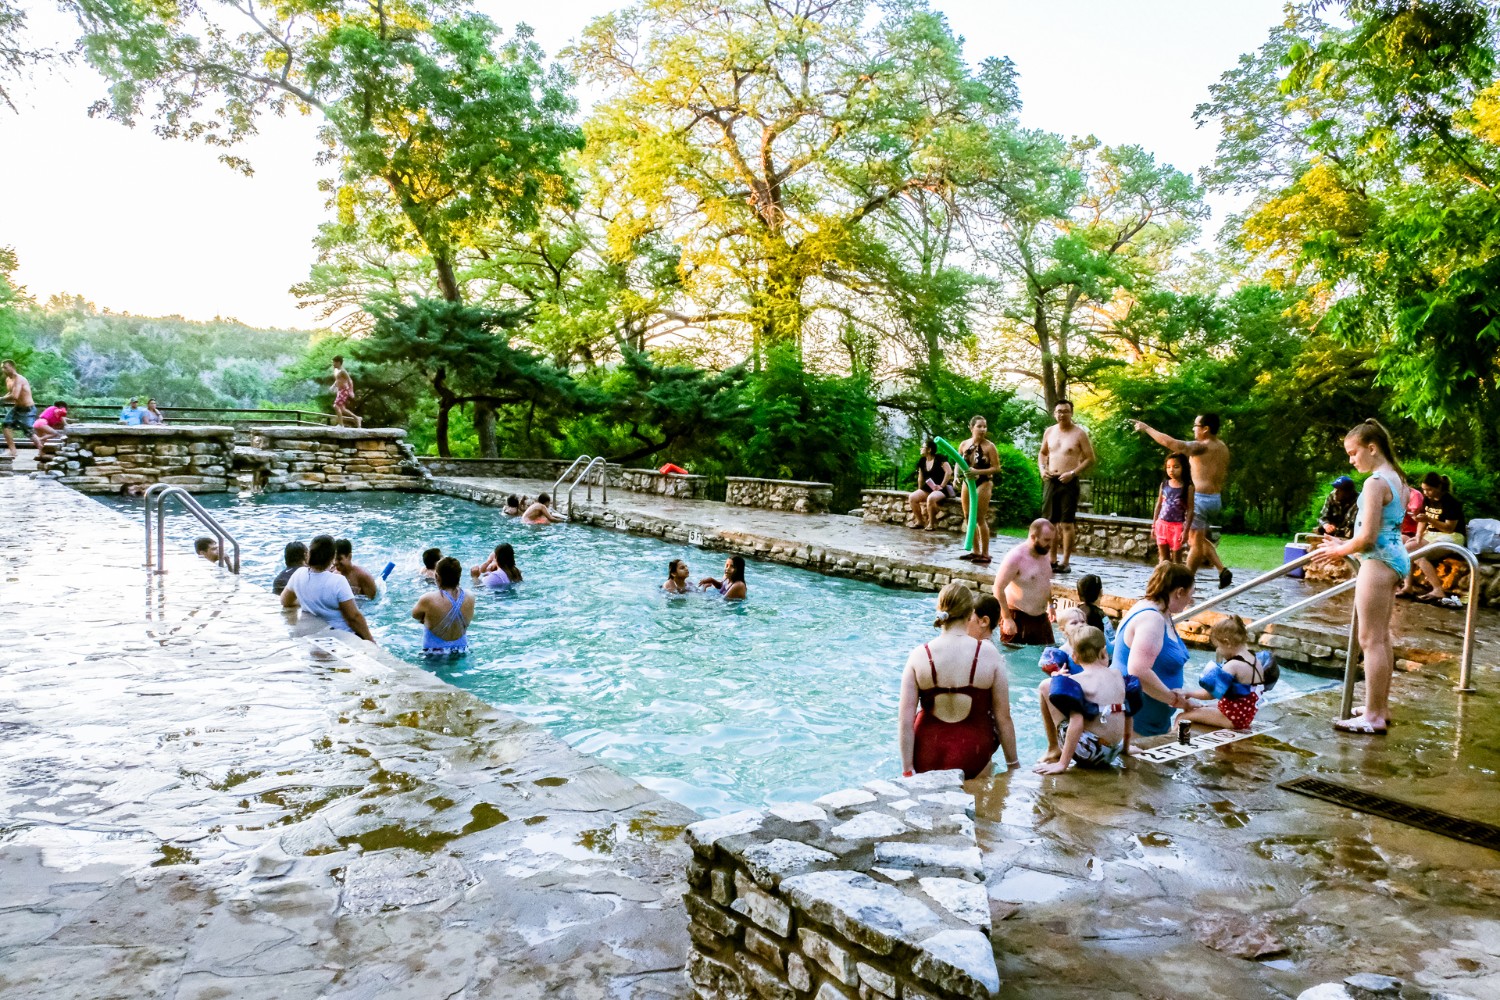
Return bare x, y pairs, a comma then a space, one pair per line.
72, 349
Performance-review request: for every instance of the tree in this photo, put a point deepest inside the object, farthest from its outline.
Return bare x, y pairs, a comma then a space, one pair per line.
1076, 232
1383, 201
762, 137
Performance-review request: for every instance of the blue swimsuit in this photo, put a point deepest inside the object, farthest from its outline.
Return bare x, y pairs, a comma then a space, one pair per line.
1388, 548
1155, 717
432, 645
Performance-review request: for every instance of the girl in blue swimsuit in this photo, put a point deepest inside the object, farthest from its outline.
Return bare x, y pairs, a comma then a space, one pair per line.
1383, 564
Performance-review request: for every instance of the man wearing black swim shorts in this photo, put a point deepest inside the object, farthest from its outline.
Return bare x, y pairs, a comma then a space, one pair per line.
1067, 453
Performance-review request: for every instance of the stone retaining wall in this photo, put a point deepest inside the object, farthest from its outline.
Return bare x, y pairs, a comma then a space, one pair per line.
107, 458
683, 487
779, 494
331, 459
547, 469
1096, 535
872, 893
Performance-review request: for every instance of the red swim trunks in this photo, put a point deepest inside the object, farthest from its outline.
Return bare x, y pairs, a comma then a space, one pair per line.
342, 397
1169, 533
1240, 711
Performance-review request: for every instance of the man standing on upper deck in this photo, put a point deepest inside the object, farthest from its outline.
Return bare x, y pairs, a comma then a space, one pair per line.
1023, 586
1066, 454
22, 407
343, 393
1208, 460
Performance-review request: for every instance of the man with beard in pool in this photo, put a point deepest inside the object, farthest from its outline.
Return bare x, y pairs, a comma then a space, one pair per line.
1023, 586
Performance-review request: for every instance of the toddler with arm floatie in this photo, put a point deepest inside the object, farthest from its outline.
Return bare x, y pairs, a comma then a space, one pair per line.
1237, 680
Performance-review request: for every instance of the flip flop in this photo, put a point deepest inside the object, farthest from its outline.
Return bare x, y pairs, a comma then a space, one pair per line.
968, 557
982, 560
1357, 728
1063, 569
1450, 601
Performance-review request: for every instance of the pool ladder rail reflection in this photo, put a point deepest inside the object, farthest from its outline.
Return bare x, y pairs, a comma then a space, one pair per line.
595, 465
1351, 658
227, 543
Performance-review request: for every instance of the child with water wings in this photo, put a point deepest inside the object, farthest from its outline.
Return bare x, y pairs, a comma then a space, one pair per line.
1237, 680
1091, 709
1173, 503
1057, 659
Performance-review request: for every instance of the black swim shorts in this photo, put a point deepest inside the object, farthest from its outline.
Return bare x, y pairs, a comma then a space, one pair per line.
1060, 500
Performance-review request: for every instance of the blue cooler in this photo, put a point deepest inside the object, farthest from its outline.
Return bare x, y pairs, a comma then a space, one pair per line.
1295, 549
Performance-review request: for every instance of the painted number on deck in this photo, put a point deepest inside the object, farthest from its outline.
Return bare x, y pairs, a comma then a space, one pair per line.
695, 537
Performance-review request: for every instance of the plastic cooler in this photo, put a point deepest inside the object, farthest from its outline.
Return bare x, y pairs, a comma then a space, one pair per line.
1296, 549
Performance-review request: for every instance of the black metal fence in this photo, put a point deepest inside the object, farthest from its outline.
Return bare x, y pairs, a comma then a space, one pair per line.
1245, 511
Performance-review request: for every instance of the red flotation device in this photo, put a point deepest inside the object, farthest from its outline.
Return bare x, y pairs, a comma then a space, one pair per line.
672, 470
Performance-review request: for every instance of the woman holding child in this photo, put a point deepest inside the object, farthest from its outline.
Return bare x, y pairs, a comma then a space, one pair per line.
955, 698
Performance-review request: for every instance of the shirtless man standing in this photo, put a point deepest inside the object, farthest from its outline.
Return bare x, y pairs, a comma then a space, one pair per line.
1023, 586
343, 394
1066, 454
1208, 460
22, 407
360, 580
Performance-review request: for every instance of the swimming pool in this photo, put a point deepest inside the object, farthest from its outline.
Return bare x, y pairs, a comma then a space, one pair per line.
720, 706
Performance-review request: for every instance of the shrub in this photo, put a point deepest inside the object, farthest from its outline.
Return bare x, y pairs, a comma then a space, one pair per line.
1476, 490
1017, 498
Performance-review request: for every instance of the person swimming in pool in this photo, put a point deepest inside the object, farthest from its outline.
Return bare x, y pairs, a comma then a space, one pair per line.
677, 577
446, 613
360, 580
541, 512
499, 571
430, 558
514, 506
732, 587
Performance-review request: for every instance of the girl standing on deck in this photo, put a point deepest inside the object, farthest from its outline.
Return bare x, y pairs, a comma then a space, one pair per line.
1173, 501
1383, 563
960, 685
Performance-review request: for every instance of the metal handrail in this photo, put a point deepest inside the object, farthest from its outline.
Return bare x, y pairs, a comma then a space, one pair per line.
1261, 580
568, 472
601, 465
160, 492
273, 416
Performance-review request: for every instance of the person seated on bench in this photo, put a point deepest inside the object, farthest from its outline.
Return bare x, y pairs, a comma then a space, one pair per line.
1336, 519
1441, 520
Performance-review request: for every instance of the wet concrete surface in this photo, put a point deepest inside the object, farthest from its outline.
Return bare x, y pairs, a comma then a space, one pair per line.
197, 800
1424, 632
1130, 884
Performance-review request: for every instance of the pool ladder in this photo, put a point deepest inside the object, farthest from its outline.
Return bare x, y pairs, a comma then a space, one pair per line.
1351, 657
227, 542
590, 464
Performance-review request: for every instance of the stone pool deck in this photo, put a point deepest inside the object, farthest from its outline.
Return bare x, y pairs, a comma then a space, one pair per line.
198, 800
848, 546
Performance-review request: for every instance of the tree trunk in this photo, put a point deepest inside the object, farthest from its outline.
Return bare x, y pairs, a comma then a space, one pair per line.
442, 429
1044, 344
780, 307
447, 281
484, 426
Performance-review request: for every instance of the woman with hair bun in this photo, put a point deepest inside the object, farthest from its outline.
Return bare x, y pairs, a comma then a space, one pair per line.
955, 697
1383, 563
1440, 519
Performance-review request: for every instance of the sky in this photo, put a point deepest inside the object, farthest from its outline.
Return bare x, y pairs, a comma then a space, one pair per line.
149, 226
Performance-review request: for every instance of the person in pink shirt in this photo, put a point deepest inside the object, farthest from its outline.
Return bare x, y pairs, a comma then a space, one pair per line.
50, 424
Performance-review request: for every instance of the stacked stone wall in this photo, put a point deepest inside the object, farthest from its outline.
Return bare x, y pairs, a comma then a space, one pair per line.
875, 893
546, 469
332, 459
106, 458
779, 494
682, 487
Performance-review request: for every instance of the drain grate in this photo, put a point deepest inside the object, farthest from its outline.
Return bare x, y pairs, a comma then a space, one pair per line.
1421, 817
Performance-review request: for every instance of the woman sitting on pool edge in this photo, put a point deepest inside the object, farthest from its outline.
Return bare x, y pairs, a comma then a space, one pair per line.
499, 571
960, 723
732, 587
446, 613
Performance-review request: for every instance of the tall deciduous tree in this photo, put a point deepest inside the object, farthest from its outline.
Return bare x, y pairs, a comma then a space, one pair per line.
761, 137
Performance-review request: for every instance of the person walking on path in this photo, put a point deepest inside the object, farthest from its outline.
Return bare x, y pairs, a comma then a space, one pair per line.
1149, 649
1383, 563
955, 697
22, 406
1208, 458
1023, 586
1067, 453
984, 464
343, 394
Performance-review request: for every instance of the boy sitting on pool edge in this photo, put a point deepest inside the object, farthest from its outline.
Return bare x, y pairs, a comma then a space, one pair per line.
1091, 709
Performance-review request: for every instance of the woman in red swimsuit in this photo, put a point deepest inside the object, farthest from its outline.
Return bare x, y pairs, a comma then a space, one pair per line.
955, 698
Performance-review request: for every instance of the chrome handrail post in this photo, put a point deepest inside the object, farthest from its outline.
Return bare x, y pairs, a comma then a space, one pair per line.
556, 486
1351, 665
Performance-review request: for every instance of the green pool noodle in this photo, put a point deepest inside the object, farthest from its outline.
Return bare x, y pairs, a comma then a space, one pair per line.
952, 454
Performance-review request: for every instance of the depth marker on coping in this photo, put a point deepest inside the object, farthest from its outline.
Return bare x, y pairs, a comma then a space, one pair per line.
1168, 752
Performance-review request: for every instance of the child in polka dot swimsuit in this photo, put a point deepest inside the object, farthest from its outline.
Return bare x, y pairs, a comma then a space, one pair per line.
1237, 680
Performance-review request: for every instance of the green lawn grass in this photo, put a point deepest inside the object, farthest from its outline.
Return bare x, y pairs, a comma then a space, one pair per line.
1257, 552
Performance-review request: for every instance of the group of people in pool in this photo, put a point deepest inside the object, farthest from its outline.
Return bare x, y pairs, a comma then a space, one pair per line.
1108, 684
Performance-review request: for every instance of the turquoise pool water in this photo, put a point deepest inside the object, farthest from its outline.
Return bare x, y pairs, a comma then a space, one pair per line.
786, 696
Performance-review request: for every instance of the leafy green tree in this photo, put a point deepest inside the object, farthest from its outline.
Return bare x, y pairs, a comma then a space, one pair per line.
761, 138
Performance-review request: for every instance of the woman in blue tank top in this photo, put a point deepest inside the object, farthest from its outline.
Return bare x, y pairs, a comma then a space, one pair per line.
1383, 564
1148, 647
